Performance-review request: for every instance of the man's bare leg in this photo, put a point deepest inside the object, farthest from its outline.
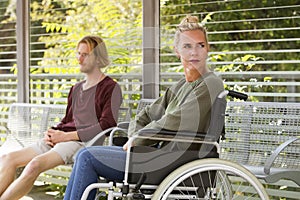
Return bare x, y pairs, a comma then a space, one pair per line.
22, 185
10, 162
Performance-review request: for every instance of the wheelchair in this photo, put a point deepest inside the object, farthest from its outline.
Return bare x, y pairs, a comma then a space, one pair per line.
170, 174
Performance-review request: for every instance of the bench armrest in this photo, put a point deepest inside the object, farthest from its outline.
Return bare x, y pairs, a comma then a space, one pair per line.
271, 159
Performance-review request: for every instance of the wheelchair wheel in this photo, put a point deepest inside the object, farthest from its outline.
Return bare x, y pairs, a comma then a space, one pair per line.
210, 179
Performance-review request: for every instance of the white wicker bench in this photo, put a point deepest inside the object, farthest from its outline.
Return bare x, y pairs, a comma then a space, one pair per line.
265, 138
27, 123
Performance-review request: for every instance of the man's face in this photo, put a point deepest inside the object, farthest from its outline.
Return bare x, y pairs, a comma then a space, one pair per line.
86, 58
193, 50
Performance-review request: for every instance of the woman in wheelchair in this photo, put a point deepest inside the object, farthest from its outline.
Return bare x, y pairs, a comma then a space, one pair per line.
185, 106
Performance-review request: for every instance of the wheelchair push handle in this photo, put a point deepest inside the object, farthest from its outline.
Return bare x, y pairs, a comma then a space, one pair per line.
237, 95
233, 94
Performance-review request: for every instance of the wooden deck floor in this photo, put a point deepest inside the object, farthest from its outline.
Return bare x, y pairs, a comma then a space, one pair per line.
41, 193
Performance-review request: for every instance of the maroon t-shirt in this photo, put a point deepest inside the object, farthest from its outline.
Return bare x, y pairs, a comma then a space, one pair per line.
93, 110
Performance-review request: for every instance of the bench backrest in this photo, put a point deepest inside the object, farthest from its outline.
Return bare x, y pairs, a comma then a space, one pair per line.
124, 114
255, 129
27, 122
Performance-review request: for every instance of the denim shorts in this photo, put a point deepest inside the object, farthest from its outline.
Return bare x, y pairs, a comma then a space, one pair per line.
66, 150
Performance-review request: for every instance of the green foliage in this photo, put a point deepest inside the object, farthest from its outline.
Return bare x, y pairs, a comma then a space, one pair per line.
117, 22
58, 25
239, 32
234, 17
64, 23
244, 63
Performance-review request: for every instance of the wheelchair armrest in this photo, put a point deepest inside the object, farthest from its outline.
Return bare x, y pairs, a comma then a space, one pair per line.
166, 134
118, 140
99, 138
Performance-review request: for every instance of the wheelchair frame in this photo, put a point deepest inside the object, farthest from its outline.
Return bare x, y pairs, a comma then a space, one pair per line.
175, 181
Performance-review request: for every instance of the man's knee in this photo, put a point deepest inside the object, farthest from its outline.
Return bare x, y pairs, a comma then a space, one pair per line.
33, 168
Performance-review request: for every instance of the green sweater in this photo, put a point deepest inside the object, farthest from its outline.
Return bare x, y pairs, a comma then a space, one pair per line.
185, 106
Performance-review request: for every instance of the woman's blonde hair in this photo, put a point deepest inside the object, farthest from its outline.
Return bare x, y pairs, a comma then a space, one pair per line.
189, 23
98, 48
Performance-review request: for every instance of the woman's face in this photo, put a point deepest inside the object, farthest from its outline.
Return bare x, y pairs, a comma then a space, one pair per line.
193, 50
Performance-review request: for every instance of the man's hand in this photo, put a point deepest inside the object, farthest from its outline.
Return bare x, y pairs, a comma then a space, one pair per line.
47, 139
52, 137
57, 136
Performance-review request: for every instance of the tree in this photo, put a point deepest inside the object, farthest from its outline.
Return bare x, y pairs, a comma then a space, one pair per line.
119, 23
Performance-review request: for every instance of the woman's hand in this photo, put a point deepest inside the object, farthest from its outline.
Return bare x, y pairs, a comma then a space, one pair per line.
125, 146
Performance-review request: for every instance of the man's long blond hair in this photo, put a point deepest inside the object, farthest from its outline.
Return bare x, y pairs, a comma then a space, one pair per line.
97, 46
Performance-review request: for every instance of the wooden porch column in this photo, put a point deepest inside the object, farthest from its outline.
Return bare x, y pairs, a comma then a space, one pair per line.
23, 54
151, 37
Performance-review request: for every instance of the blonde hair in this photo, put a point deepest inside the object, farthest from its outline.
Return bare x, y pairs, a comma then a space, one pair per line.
189, 23
98, 48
